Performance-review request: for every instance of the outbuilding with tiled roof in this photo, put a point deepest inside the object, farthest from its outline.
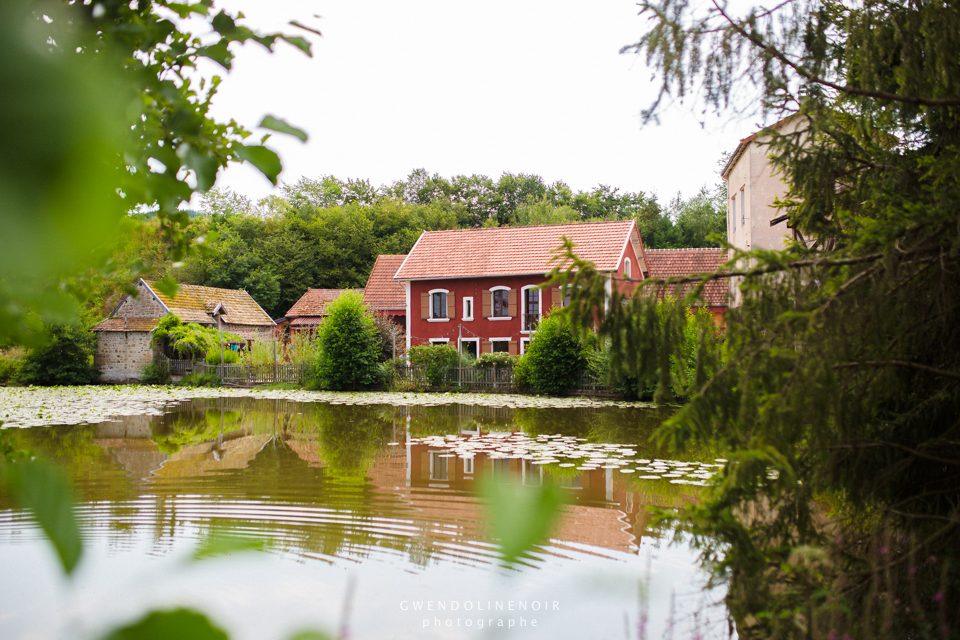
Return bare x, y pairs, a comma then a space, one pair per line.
310, 310
123, 339
672, 263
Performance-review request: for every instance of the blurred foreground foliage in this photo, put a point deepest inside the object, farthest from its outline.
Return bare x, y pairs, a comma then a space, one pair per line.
106, 118
110, 118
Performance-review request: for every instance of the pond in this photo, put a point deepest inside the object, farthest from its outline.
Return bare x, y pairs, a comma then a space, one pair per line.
372, 523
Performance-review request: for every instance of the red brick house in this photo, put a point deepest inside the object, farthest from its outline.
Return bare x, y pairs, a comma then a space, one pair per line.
478, 287
671, 263
383, 294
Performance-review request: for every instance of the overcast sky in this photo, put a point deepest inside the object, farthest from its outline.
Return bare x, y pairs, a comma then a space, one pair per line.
462, 87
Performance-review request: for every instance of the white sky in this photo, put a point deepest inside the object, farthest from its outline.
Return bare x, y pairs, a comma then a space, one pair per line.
462, 87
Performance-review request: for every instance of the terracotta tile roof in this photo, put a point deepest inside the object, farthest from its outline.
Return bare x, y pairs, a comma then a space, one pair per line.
314, 302
464, 253
382, 292
307, 321
132, 324
667, 263
196, 304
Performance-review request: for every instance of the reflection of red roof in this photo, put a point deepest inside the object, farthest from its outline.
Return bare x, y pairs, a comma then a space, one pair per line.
382, 292
131, 324
668, 263
467, 253
314, 302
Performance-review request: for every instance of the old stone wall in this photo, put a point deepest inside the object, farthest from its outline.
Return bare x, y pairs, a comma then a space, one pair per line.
122, 355
144, 305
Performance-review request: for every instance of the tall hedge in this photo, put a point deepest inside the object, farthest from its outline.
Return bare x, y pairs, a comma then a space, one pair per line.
349, 345
554, 358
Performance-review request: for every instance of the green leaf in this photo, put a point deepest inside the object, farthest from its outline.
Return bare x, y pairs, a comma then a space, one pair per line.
167, 286
521, 517
177, 624
221, 545
263, 159
204, 165
275, 124
46, 492
299, 43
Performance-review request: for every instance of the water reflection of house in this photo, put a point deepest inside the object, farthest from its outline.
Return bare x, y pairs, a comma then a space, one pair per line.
440, 487
601, 512
129, 443
233, 451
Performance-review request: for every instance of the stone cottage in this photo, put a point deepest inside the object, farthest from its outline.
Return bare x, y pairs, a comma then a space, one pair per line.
123, 339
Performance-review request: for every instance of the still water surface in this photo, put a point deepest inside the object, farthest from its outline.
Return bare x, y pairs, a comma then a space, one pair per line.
372, 521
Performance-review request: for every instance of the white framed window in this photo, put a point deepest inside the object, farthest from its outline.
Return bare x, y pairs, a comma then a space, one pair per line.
468, 466
733, 212
439, 340
500, 345
499, 303
468, 308
439, 465
500, 470
531, 474
531, 299
438, 305
626, 268
524, 345
743, 209
470, 346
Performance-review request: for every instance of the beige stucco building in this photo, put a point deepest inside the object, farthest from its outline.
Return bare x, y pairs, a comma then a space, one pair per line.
753, 185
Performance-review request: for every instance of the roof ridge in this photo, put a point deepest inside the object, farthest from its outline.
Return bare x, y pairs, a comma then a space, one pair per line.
690, 249
532, 226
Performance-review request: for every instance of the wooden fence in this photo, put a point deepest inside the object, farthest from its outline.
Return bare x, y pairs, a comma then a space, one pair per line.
472, 378
489, 379
242, 374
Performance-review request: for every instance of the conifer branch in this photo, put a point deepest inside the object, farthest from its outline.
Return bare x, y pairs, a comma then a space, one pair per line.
898, 363
843, 88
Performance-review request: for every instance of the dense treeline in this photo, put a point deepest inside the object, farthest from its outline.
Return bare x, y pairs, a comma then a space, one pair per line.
327, 233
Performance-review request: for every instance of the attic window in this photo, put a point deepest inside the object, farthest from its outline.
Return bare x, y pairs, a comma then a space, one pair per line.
626, 267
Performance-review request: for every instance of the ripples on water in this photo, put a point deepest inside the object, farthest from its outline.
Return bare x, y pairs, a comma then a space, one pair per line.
341, 483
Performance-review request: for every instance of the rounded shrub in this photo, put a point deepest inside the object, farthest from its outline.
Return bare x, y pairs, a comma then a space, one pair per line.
554, 357
66, 358
349, 345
